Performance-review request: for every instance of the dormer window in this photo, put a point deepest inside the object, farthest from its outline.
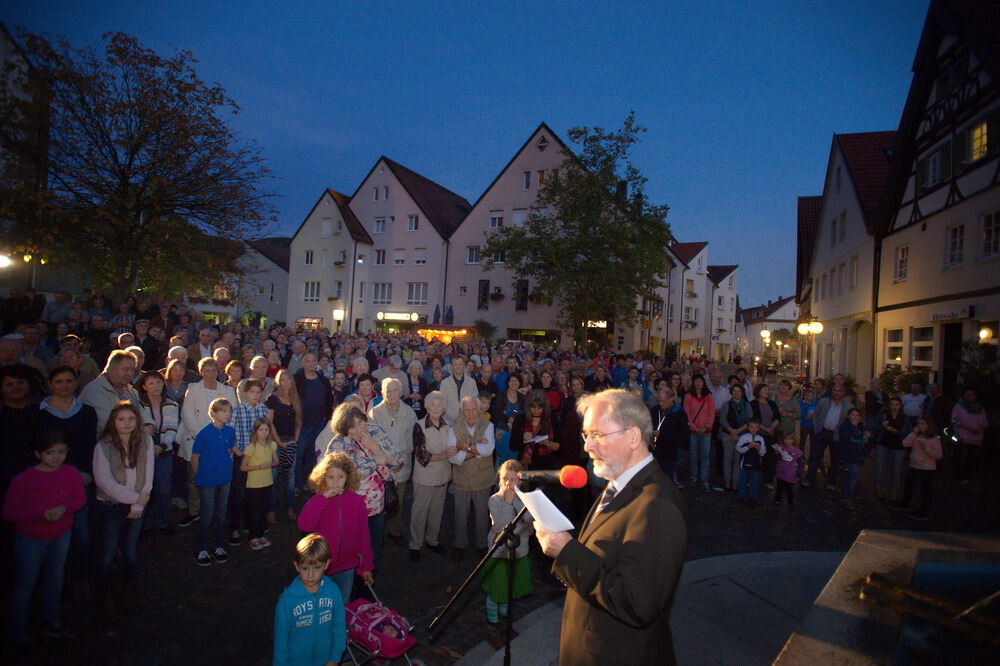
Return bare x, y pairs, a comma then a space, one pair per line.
542, 143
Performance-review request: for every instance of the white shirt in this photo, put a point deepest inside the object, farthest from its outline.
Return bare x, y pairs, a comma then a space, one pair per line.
626, 476
833, 416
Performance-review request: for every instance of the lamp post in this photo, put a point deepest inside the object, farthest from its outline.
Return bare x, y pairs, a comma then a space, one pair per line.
809, 329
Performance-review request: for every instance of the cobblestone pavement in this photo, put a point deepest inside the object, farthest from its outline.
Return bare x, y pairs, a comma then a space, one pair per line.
224, 613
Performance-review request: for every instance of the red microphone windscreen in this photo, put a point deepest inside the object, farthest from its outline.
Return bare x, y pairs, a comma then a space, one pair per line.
573, 476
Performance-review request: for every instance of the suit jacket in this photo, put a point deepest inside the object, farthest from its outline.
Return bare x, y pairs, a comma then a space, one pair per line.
621, 574
453, 398
819, 416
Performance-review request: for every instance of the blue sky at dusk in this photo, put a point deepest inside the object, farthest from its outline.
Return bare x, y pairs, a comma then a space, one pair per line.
740, 98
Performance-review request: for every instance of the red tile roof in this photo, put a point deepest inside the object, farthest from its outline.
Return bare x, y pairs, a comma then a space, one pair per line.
687, 251
443, 208
808, 223
867, 160
278, 249
718, 273
354, 226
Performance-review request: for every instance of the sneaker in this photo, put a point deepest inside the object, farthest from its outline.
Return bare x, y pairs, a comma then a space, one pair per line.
677, 482
718, 489
769, 486
220, 555
235, 538
264, 542
188, 520
203, 559
255, 544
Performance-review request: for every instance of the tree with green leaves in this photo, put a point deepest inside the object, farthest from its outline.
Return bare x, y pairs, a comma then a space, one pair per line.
122, 165
592, 245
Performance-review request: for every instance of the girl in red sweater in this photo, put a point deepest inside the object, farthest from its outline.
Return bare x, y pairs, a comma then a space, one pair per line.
41, 502
338, 513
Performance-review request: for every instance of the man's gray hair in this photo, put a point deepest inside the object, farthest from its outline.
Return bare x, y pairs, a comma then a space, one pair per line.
623, 408
173, 352
388, 382
118, 356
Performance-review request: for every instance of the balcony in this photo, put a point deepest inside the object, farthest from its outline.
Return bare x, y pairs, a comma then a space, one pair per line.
690, 294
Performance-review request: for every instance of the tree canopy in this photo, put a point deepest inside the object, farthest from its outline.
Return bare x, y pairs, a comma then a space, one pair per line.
592, 244
122, 165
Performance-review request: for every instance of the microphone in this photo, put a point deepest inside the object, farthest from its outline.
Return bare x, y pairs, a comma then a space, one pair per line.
570, 476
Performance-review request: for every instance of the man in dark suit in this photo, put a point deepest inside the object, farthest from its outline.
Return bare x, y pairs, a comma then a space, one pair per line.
622, 570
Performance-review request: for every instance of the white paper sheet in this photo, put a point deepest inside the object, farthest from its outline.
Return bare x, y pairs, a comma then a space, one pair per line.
540, 438
544, 511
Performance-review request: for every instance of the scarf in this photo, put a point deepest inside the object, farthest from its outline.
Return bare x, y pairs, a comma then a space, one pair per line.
970, 407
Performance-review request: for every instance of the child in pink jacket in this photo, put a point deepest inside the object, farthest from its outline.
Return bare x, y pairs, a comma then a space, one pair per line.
925, 448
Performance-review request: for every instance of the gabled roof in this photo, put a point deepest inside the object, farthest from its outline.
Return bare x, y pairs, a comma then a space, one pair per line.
764, 312
808, 224
277, 249
354, 227
719, 273
541, 126
866, 155
686, 252
977, 25
443, 208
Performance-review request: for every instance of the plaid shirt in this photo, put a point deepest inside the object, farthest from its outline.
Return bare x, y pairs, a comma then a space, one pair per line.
242, 422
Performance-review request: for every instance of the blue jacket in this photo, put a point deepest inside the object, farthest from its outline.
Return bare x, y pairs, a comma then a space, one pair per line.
853, 443
309, 629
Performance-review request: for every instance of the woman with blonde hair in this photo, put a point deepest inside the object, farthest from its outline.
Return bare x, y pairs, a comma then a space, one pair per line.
337, 512
284, 408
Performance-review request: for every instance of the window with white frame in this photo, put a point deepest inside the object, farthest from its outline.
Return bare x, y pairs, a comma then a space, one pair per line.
380, 257
687, 314
472, 254
902, 262
989, 245
833, 281
894, 346
854, 272
324, 264
721, 302
380, 225
420, 256
527, 180
311, 292
309, 258
375, 193
338, 289
326, 227
413, 223
361, 292
719, 323
398, 257
954, 245
922, 345
382, 293
520, 217
496, 219
500, 257
841, 278
416, 293
385, 192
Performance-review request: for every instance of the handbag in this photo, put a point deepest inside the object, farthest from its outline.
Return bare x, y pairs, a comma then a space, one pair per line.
391, 496
286, 456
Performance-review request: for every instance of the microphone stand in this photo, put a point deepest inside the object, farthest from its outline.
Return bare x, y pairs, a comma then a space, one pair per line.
511, 541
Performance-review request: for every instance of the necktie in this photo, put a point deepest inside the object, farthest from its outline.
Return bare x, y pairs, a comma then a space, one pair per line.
609, 494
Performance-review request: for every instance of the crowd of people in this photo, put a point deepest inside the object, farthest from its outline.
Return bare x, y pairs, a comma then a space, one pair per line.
112, 415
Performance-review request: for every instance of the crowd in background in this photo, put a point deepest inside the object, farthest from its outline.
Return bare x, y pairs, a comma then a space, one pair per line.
233, 426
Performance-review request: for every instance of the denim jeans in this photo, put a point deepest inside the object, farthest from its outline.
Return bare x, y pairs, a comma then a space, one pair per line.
157, 514
305, 458
851, 473
212, 526
891, 459
118, 532
701, 449
345, 581
237, 488
748, 483
376, 531
80, 544
34, 558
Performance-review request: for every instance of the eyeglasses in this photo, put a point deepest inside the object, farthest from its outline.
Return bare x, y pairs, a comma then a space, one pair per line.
599, 436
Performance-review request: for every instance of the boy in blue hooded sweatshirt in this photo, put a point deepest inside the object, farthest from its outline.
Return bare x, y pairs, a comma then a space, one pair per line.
309, 626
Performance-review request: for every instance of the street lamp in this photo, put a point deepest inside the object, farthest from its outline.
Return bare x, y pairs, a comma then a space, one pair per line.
809, 329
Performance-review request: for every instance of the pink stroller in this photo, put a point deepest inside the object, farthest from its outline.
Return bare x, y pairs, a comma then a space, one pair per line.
375, 633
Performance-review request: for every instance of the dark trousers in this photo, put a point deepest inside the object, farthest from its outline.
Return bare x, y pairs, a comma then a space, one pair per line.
968, 461
925, 479
236, 490
823, 440
784, 487
118, 533
768, 463
255, 502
